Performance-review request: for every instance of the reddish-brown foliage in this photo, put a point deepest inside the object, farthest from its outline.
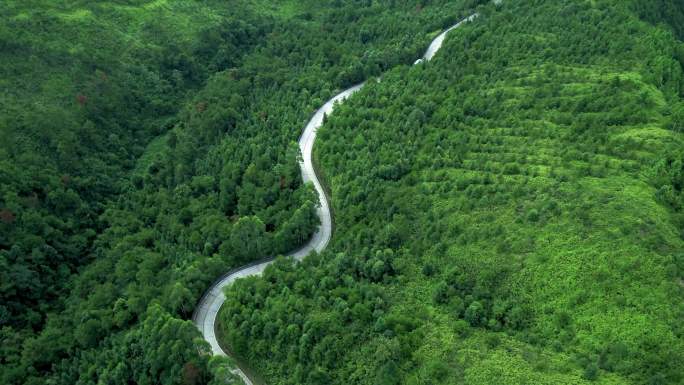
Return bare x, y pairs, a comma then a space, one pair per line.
81, 99
191, 375
7, 216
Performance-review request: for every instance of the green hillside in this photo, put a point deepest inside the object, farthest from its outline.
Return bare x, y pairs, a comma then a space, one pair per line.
86, 85
509, 213
148, 147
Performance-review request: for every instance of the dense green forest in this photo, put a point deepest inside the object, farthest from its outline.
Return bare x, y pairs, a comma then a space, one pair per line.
85, 88
149, 146
509, 213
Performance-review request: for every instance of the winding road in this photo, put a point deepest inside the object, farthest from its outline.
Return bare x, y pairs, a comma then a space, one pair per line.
209, 305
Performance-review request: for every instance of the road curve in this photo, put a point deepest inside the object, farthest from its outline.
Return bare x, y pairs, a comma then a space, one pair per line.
209, 305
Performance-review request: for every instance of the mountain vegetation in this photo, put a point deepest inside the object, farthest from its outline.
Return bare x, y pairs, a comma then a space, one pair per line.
149, 146
508, 213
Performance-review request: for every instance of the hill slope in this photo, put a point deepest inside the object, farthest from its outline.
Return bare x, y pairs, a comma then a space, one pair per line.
510, 213
109, 233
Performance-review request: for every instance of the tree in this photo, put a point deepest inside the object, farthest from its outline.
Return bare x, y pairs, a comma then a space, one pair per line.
677, 118
180, 299
230, 177
591, 372
247, 240
475, 314
161, 351
388, 374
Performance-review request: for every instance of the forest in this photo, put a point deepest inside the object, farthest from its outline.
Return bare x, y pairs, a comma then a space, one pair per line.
148, 147
508, 213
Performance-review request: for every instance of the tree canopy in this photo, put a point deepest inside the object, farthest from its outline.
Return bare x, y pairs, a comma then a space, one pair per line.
508, 213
